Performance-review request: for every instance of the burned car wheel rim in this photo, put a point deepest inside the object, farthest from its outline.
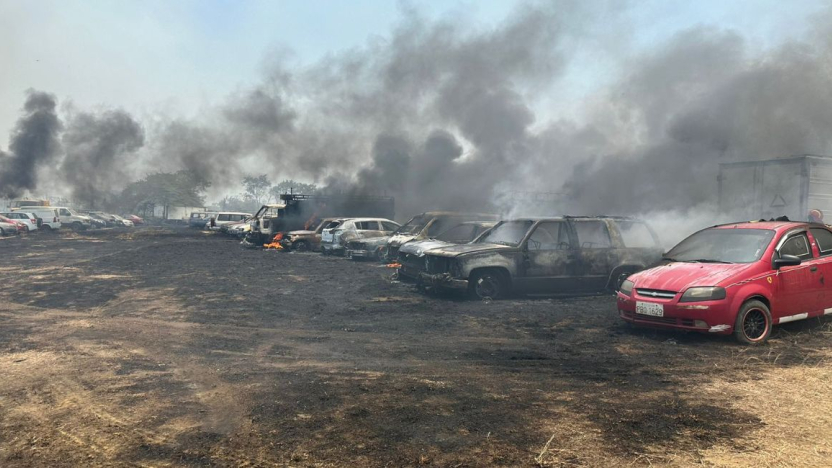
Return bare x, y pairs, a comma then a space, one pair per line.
302, 246
754, 325
488, 286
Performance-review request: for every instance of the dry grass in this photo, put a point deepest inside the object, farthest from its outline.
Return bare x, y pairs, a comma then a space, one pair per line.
789, 390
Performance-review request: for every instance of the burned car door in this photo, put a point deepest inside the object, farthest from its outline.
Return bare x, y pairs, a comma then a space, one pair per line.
549, 260
594, 255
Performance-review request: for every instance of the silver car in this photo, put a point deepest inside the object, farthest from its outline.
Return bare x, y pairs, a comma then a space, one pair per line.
334, 241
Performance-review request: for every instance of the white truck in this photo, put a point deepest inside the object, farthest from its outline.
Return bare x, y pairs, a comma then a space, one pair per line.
72, 218
791, 186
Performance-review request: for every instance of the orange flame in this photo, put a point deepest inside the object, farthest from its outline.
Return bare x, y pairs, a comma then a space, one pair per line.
312, 219
275, 244
394, 265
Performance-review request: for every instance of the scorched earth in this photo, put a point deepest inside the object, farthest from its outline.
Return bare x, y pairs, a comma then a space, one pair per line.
168, 347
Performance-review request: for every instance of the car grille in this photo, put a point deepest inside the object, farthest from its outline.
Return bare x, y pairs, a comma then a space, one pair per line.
412, 261
684, 322
435, 265
657, 293
355, 245
392, 252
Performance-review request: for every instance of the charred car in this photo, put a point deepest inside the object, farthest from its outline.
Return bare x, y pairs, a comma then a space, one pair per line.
334, 241
298, 212
411, 254
552, 256
309, 240
427, 225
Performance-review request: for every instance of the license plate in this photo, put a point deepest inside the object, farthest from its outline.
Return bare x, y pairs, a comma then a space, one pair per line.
650, 308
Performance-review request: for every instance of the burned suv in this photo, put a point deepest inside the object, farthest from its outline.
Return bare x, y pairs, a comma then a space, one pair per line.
553, 256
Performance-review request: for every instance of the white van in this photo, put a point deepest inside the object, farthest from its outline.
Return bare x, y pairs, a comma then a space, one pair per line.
227, 217
48, 217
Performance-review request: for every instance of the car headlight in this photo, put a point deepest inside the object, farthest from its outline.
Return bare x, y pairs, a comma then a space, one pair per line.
710, 293
626, 288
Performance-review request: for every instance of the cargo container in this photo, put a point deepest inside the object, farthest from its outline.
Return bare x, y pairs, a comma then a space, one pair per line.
790, 186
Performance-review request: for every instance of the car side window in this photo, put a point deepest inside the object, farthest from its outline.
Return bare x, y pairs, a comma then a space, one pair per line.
65, 213
797, 245
550, 236
824, 239
388, 226
635, 235
367, 226
593, 235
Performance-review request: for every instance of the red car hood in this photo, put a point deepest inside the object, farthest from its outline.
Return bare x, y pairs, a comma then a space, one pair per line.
678, 276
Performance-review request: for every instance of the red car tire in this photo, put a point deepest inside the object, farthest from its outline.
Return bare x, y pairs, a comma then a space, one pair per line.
753, 324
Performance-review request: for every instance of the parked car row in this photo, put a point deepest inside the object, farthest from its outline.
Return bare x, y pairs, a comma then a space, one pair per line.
487, 258
739, 278
52, 218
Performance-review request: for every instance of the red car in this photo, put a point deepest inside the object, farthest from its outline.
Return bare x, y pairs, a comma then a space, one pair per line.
18, 226
735, 278
136, 220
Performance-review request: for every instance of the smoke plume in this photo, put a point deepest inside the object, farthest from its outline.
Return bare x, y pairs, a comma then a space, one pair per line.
445, 115
33, 144
700, 100
98, 152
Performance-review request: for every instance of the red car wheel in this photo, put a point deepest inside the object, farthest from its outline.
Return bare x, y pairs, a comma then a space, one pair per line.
753, 325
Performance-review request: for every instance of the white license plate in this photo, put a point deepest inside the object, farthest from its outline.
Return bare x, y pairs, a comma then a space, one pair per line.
650, 308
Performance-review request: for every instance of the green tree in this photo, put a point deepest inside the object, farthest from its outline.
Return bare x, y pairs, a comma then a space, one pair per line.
182, 188
292, 186
257, 188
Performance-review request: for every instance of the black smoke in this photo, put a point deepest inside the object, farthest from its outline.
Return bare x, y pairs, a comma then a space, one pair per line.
99, 152
34, 143
446, 115
702, 99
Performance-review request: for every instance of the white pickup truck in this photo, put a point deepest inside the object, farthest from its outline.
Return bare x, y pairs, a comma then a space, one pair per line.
73, 219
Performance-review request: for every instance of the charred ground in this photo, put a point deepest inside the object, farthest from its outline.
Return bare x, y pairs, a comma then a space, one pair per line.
173, 347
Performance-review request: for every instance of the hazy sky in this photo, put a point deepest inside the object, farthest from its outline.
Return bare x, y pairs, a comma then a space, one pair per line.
180, 57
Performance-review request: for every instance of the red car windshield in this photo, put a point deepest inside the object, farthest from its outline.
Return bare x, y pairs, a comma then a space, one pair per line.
722, 246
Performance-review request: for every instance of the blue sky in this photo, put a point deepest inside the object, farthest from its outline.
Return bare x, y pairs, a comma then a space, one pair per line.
180, 57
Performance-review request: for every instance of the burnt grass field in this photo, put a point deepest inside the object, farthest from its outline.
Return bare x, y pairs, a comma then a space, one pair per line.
172, 347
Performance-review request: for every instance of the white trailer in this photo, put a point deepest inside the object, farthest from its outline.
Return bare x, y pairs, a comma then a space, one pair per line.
182, 213
768, 189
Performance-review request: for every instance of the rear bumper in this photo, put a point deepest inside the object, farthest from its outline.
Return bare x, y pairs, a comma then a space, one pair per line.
442, 281
707, 317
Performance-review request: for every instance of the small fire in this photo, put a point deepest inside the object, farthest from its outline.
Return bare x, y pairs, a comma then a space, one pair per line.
275, 244
313, 219
394, 265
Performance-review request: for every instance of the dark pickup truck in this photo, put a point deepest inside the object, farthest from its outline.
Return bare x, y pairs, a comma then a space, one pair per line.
567, 255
